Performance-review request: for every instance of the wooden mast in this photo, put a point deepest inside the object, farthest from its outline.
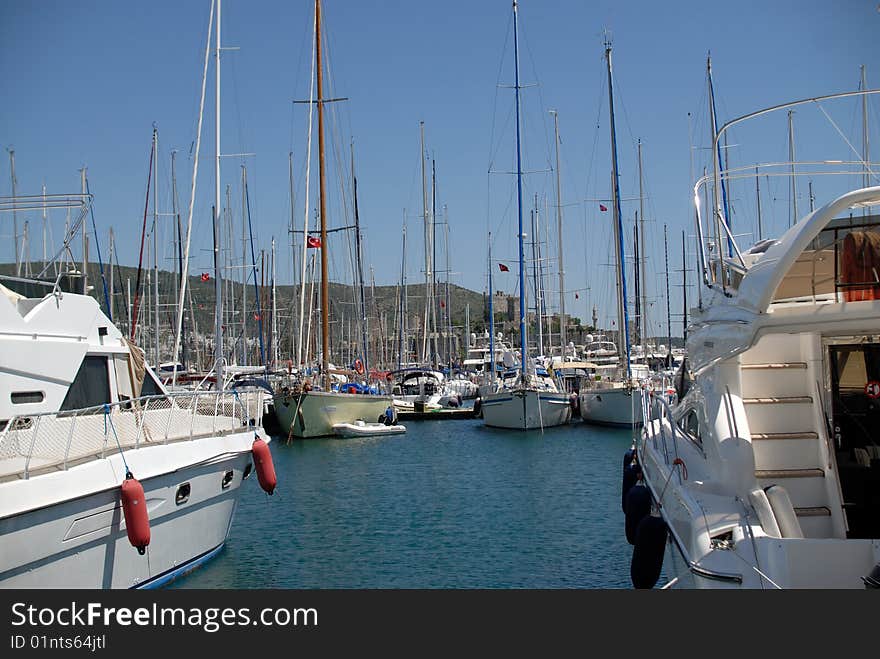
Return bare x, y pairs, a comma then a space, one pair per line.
325, 296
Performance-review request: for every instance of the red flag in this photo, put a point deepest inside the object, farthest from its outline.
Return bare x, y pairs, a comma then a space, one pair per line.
503, 267
313, 241
442, 304
602, 208
205, 276
256, 316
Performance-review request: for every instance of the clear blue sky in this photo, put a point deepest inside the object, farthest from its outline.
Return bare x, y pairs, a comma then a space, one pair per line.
84, 81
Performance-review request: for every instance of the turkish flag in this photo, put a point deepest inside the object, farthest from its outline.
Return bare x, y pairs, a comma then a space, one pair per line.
503, 267
205, 276
602, 208
313, 241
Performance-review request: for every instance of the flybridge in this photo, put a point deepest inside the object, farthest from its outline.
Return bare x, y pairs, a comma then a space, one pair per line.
721, 261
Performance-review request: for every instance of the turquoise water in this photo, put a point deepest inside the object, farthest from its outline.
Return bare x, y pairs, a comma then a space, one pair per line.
448, 504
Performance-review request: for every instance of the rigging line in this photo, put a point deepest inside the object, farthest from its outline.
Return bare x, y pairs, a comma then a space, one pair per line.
299, 348
508, 120
256, 287
98, 248
539, 86
860, 156
137, 287
497, 87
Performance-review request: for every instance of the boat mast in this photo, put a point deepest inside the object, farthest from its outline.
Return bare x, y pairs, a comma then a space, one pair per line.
491, 315
257, 288
244, 268
155, 248
716, 208
274, 312
865, 142
360, 272
218, 281
539, 346
643, 280
448, 308
622, 313
668, 311
185, 270
559, 239
325, 290
424, 359
522, 275
435, 350
684, 286
403, 349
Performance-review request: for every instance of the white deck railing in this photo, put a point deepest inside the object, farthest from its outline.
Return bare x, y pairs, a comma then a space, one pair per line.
53, 441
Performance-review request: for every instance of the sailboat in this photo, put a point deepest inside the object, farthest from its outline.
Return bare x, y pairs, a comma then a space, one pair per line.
305, 409
528, 400
615, 401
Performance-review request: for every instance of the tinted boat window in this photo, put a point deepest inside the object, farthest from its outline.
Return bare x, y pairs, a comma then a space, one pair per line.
90, 387
150, 387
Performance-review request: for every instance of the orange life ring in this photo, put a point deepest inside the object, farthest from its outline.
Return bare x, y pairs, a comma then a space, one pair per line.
359, 366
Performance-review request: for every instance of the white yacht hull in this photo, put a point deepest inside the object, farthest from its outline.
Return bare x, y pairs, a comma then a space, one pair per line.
620, 407
525, 409
71, 531
314, 413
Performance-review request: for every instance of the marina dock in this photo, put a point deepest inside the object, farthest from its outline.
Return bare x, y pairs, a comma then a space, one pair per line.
442, 414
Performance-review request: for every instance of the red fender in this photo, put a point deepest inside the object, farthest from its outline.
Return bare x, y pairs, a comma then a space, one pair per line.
264, 466
134, 508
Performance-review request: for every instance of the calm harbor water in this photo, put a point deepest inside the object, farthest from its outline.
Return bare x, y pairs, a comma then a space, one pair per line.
448, 504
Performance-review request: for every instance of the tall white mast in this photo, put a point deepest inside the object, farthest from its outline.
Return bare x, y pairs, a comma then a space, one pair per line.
427, 242
14, 214
218, 289
184, 275
45, 224
85, 241
274, 312
643, 280
156, 246
244, 268
865, 142
559, 238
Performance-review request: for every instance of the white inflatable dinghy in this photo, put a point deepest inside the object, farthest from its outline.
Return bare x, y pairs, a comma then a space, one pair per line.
361, 428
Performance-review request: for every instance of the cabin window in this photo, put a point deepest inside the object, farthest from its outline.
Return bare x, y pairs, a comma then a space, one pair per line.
691, 425
123, 377
24, 397
90, 387
151, 387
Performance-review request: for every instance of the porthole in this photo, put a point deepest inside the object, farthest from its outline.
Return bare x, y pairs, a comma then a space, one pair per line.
182, 495
227, 479
24, 397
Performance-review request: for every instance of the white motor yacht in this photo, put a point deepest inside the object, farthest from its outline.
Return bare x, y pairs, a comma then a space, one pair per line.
765, 473
81, 415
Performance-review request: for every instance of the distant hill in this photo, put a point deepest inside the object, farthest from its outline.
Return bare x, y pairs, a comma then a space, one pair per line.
381, 302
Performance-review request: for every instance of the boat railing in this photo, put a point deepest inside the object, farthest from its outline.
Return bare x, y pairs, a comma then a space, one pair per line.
56, 441
722, 263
